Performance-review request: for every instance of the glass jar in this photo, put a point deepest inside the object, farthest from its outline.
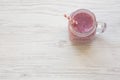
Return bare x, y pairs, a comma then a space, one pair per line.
86, 27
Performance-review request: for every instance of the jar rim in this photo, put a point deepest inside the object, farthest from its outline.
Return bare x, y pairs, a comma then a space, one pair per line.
93, 26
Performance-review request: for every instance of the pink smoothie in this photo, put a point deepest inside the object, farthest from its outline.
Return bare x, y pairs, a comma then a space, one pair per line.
85, 28
84, 22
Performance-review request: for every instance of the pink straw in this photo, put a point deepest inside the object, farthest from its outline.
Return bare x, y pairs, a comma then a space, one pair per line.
72, 21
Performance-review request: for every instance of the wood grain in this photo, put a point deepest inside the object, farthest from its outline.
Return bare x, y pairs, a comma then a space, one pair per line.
34, 43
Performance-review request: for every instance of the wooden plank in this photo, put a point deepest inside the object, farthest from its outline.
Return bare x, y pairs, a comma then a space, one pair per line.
34, 43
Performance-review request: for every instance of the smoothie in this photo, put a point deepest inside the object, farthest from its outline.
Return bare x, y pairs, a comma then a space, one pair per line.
85, 28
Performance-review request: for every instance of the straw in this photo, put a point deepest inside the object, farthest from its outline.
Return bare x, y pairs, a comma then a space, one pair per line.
72, 21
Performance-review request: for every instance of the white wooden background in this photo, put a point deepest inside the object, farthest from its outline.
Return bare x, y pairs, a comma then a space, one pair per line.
34, 43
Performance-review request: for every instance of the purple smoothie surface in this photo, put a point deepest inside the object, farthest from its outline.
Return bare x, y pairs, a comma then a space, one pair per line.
84, 22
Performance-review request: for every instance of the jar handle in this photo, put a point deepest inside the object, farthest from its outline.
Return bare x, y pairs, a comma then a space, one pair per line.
101, 27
